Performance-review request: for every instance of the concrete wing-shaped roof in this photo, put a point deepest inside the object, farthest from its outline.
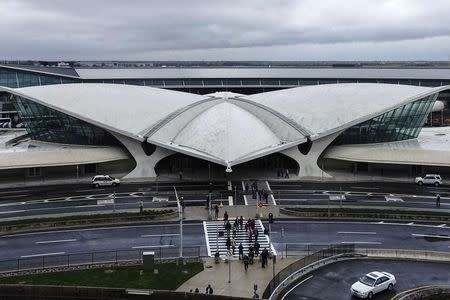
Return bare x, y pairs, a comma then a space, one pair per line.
323, 109
122, 108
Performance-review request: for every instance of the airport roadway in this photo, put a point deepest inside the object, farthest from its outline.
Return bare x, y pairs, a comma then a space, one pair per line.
54, 200
334, 281
300, 235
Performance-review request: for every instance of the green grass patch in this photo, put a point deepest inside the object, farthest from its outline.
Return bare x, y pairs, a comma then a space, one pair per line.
170, 276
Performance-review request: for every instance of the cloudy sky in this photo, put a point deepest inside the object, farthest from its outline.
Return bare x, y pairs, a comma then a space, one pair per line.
225, 29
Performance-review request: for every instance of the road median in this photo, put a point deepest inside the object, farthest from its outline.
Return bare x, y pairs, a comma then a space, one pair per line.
83, 221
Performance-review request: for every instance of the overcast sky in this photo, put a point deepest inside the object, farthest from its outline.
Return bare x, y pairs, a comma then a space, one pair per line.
225, 29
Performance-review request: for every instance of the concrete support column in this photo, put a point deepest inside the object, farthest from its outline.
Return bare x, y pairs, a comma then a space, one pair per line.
145, 164
308, 163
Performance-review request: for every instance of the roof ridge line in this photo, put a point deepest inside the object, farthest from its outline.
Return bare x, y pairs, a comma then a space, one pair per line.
304, 131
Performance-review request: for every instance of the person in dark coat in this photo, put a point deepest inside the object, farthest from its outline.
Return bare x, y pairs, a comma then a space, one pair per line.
216, 211
225, 216
228, 227
256, 246
264, 257
246, 261
241, 251
251, 253
228, 243
256, 233
209, 290
241, 222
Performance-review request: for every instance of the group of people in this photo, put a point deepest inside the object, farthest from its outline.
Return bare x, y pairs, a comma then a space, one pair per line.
209, 290
253, 251
283, 173
260, 194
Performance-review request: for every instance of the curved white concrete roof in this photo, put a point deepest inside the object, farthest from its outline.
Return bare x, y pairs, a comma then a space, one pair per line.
431, 148
225, 128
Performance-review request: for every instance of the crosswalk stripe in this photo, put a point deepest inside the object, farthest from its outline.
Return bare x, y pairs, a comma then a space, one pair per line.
215, 243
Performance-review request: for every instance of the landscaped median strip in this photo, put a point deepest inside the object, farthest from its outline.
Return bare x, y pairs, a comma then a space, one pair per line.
27, 225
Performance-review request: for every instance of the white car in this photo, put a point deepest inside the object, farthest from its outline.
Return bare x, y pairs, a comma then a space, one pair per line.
372, 283
105, 180
433, 179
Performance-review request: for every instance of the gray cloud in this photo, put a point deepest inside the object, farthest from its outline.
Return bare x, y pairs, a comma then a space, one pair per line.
195, 29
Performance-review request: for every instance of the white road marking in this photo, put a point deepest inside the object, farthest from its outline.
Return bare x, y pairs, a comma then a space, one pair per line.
93, 205
271, 194
442, 225
159, 235
431, 236
89, 190
365, 243
205, 230
411, 223
357, 232
365, 188
152, 246
245, 200
308, 278
56, 241
12, 211
42, 254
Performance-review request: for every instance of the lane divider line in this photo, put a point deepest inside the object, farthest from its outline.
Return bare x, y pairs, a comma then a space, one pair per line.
56, 241
42, 254
159, 235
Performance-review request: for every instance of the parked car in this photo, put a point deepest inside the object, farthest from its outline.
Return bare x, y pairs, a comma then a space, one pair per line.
104, 180
372, 283
433, 179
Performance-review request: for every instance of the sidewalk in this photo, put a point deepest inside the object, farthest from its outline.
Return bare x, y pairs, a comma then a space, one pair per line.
241, 282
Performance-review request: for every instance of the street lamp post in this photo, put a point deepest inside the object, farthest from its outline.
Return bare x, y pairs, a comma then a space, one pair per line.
180, 215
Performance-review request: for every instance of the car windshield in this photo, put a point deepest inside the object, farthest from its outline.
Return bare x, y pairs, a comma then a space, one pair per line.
367, 280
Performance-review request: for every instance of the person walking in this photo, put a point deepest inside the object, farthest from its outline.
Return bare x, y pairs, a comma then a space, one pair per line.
251, 253
209, 290
241, 222
241, 251
228, 243
141, 206
228, 228
216, 211
438, 200
256, 246
286, 173
246, 261
256, 233
225, 216
233, 245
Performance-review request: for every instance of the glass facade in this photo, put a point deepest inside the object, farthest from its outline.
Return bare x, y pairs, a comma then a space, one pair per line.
402, 123
17, 79
48, 125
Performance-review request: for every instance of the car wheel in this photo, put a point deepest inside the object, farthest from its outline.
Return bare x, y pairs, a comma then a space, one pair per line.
97, 185
420, 183
436, 184
370, 295
390, 287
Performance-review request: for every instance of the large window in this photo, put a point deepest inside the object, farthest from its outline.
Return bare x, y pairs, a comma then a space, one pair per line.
402, 123
48, 125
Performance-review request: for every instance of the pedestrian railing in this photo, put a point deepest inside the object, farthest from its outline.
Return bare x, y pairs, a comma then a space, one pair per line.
94, 258
323, 253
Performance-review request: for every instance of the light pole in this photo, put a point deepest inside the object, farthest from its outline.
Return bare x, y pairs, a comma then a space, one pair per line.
180, 215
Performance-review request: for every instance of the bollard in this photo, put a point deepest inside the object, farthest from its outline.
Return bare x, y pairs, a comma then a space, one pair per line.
148, 261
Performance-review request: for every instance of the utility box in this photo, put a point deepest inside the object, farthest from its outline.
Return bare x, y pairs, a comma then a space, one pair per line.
148, 258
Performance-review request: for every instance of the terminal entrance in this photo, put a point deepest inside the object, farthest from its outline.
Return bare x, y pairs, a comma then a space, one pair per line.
270, 166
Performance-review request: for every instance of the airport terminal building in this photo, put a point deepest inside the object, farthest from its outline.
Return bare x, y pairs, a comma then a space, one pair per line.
215, 122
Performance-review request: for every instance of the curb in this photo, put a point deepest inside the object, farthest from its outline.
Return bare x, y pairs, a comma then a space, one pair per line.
117, 220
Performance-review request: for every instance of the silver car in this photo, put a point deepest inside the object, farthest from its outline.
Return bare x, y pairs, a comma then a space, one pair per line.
372, 283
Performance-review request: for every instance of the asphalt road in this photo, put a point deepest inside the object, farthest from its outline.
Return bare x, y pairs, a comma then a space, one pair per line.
53, 200
300, 236
334, 281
